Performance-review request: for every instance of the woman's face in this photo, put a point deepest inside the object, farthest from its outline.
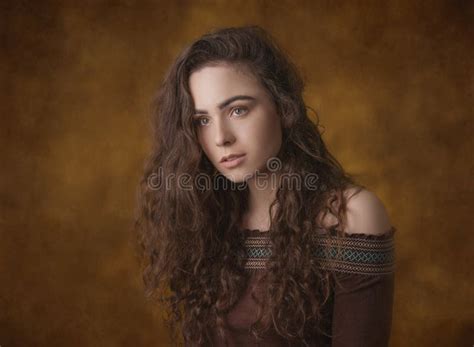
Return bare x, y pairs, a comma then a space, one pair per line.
234, 114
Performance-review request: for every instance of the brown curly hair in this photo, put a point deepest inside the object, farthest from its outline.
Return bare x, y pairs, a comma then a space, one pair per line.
189, 241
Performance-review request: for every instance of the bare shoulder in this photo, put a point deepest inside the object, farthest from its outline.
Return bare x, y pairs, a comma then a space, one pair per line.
366, 213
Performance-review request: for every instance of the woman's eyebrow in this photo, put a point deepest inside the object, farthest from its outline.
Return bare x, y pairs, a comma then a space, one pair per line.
225, 103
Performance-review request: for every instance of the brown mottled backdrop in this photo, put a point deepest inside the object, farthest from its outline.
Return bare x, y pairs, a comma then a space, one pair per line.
392, 83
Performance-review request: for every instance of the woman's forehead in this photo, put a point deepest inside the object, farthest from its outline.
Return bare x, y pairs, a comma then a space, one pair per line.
224, 72
212, 84
238, 66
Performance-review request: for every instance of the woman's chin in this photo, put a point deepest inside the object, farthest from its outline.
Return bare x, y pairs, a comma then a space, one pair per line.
237, 177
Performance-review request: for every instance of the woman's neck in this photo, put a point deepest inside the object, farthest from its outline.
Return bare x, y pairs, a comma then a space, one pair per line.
261, 195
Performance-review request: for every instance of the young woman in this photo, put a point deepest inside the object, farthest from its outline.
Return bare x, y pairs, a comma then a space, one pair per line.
250, 230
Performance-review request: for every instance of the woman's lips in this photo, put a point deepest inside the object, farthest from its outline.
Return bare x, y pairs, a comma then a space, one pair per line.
229, 164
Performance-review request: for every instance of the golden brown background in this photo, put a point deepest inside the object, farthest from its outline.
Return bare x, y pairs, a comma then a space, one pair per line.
392, 82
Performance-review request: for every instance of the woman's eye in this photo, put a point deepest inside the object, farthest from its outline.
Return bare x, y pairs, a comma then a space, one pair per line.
198, 121
241, 110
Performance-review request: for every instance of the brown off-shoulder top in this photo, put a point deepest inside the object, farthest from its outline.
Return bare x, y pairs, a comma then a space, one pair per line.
360, 310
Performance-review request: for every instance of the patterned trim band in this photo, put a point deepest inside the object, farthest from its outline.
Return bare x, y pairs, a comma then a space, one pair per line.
358, 255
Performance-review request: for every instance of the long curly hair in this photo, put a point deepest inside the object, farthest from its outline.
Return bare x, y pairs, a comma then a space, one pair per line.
189, 240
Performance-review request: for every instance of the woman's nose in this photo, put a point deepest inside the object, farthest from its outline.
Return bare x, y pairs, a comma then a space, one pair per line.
224, 134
